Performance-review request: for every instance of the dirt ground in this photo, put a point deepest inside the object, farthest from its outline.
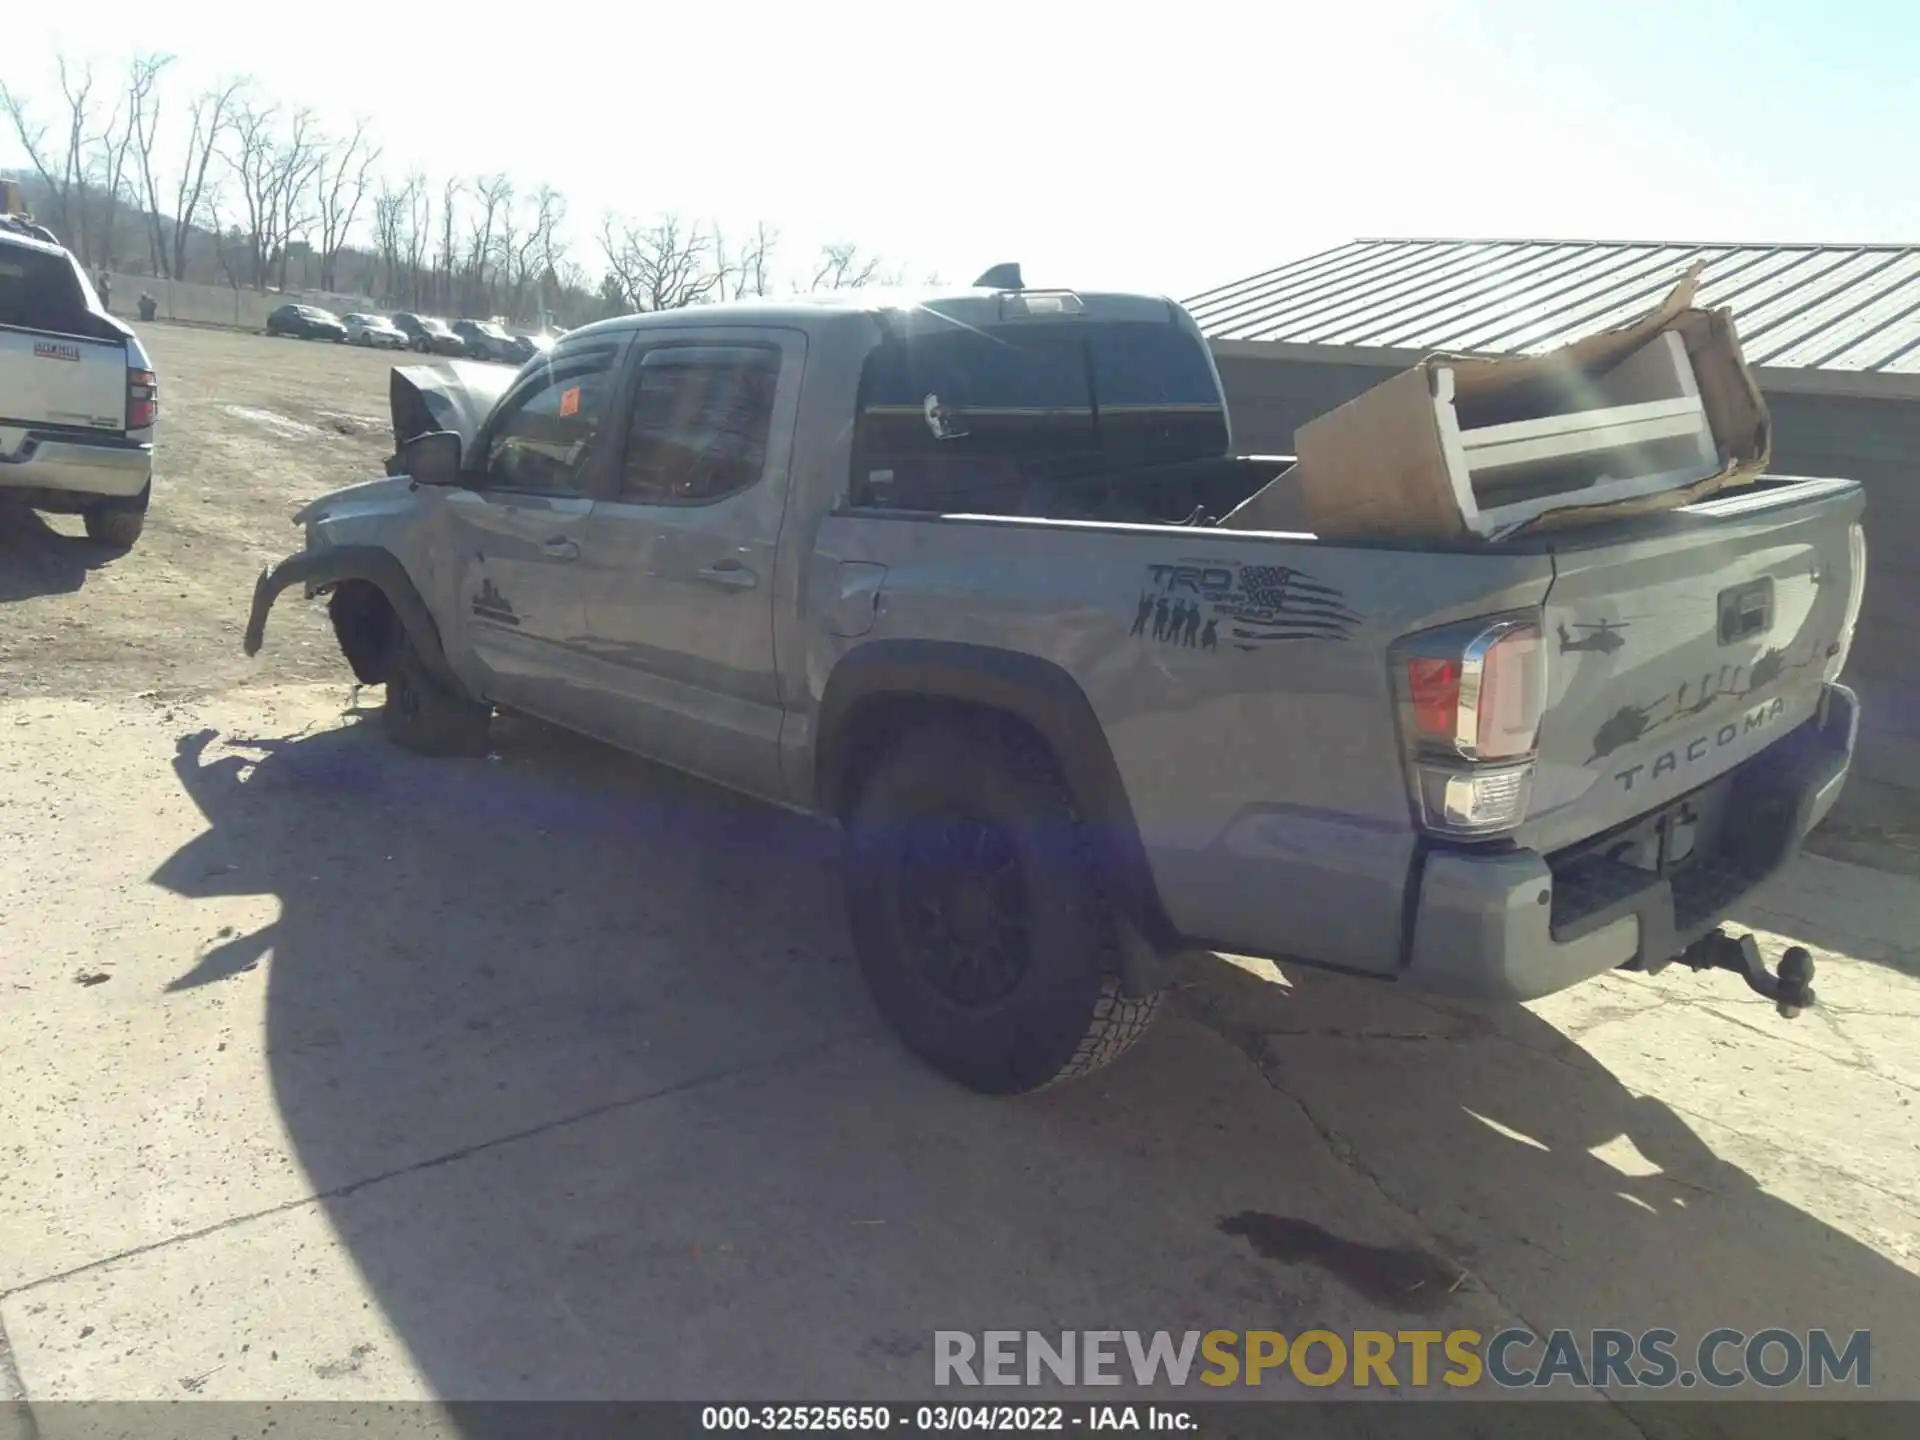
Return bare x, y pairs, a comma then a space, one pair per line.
250, 428
331, 1073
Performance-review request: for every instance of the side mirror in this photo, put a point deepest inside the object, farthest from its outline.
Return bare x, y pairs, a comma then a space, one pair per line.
431, 459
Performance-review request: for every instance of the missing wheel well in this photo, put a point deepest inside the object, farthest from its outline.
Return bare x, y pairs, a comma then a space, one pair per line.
366, 624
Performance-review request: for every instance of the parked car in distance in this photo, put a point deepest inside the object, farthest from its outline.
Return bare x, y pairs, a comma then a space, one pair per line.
78, 391
306, 322
429, 335
375, 331
485, 340
527, 344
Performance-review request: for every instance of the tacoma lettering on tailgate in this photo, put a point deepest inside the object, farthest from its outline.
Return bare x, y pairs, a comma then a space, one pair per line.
1701, 746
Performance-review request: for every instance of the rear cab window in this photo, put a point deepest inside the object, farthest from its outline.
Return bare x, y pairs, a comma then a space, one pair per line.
41, 290
957, 417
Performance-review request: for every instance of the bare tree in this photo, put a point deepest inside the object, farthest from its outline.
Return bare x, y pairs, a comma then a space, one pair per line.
556, 269
392, 213
443, 267
523, 246
63, 169
143, 99
211, 114
274, 164
493, 194
297, 158
744, 273
116, 142
419, 237
843, 267
340, 182
662, 266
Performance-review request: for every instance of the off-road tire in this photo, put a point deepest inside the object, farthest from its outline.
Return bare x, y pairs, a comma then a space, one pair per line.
1065, 1016
116, 524
423, 715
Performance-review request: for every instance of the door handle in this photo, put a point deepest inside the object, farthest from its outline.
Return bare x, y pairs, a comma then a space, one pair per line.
731, 574
560, 548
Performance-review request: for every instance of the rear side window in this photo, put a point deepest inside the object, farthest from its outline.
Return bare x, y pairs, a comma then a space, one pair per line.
949, 418
697, 430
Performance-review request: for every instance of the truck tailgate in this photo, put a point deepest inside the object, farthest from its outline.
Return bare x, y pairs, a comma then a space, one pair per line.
1679, 645
67, 381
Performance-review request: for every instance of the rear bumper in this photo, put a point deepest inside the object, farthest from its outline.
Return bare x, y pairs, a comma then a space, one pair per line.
1518, 925
79, 468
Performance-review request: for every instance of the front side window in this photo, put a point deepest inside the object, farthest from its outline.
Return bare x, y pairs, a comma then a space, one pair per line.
544, 438
698, 428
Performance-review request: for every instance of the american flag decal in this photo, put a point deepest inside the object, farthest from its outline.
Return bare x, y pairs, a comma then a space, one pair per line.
1276, 602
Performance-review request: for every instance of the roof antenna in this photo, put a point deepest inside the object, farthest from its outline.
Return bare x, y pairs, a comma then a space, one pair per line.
1001, 277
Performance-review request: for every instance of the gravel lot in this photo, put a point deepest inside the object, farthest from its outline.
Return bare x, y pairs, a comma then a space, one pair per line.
327, 1072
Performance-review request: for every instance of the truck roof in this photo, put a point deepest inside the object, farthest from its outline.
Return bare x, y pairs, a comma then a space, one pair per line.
908, 309
19, 239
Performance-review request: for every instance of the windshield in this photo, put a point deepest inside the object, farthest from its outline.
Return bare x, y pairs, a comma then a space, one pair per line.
438, 327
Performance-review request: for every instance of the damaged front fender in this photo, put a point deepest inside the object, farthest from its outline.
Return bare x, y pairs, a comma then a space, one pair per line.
322, 569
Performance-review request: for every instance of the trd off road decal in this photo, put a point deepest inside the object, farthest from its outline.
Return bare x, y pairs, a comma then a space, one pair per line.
1204, 604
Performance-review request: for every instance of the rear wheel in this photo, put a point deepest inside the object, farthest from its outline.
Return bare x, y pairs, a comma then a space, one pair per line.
421, 714
117, 524
978, 912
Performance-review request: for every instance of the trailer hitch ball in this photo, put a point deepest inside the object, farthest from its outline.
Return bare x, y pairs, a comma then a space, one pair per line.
1790, 987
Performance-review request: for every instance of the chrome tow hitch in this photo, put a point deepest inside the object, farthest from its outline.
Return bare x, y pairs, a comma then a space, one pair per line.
1790, 988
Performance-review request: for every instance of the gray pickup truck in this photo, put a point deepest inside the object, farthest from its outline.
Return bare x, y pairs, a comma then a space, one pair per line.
945, 570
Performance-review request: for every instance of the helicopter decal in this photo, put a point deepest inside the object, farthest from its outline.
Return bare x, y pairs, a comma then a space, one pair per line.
1604, 639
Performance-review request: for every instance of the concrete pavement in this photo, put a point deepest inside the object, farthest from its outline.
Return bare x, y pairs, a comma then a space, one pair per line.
328, 1073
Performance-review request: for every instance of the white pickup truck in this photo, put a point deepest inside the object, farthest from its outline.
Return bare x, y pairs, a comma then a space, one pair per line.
78, 396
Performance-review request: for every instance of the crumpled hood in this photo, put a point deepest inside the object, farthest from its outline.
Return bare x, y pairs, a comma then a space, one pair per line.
454, 395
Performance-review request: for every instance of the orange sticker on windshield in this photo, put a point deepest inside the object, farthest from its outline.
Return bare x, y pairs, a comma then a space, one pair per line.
570, 401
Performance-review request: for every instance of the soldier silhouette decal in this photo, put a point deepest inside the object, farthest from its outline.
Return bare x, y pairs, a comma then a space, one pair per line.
1195, 604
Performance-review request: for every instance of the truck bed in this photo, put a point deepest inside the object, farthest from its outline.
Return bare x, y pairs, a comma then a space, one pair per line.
1257, 740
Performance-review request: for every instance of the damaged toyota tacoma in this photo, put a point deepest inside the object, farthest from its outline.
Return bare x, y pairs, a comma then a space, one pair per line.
947, 571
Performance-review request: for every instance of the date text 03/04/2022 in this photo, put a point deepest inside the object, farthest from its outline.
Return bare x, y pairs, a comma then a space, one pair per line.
946, 1418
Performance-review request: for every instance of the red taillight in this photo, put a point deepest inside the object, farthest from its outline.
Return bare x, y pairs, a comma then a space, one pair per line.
1473, 700
1486, 704
143, 399
1435, 687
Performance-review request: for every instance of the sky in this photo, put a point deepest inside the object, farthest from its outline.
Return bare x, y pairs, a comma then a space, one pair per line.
1166, 148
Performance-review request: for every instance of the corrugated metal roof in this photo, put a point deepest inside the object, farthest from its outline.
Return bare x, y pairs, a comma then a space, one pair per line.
1797, 307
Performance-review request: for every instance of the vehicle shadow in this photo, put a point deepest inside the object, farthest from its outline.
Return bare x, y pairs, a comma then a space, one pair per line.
36, 559
594, 1031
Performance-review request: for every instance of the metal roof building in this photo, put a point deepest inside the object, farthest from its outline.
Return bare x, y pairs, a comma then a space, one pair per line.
1832, 333
1850, 310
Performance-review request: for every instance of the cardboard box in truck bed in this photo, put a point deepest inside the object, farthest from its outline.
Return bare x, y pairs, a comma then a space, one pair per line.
1651, 415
